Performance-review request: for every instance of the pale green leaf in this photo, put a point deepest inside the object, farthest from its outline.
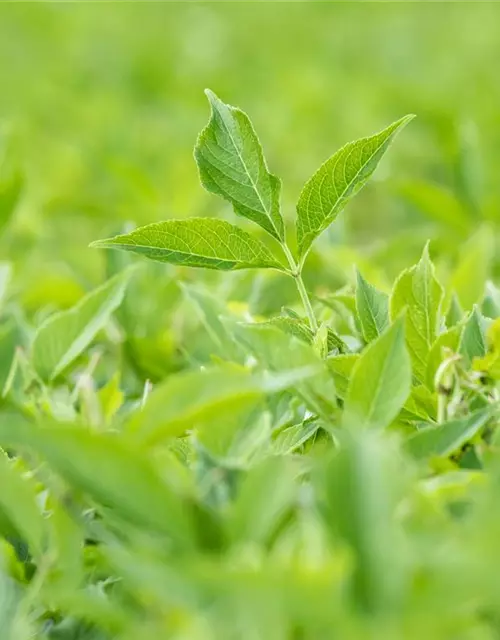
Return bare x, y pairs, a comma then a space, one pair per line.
372, 307
338, 180
65, 335
473, 268
444, 439
418, 291
189, 399
115, 474
195, 242
341, 367
437, 203
380, 381
232, 165
473, 341
361, 496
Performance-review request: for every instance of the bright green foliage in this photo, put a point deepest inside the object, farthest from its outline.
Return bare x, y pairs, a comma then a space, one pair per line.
418, 291
63, 337
279, 452
338, 180
197, 242
372, 307
232, 165
380, 381
447, 438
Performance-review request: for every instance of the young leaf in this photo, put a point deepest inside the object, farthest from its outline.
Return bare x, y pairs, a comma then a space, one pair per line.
372, 306
380, 382
195, 242
337, 181
232, 165
473, 342
63, 336
420, 293
444, 439
448, 339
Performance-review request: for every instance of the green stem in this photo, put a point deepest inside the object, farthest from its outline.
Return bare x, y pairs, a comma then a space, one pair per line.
296, 272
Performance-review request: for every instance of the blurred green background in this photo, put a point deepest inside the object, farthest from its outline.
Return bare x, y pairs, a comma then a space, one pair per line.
100, 106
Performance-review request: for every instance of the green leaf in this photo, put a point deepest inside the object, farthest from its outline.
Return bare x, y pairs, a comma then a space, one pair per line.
341, 368
360, 487
114, 473
65, 335
445, 439
380, 382
266, 492
195, 242
372, 307
18, 503
437, 203
455, 313
418, 291
291, 438
277, 351
338, 180
474, 267
473, 341
448, 340
232, 165
173, 407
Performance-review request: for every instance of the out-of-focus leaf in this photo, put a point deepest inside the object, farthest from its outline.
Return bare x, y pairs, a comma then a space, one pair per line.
18, 502
380, 381
436, 203
360, 497
63, 337
418, 291
232, 165
266, 492
112, 472
341, 367
444, 439
276, 351
473, 268
338, 180
188, 399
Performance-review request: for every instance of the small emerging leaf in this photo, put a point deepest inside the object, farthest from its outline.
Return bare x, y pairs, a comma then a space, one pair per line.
473, 341
380, 381
338, 180
195, 242
232, 165
372, 306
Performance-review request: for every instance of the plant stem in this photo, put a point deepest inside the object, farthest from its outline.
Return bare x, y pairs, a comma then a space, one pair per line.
296, 272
